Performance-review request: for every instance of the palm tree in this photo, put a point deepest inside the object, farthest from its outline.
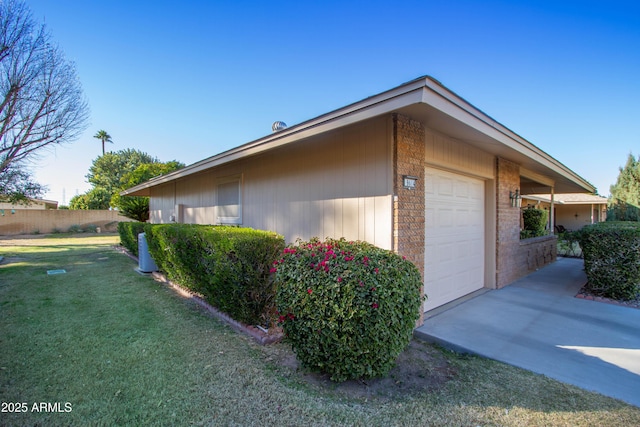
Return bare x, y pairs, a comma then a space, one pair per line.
103, 136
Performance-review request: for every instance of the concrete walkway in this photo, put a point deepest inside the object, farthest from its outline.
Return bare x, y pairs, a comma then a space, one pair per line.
536, 323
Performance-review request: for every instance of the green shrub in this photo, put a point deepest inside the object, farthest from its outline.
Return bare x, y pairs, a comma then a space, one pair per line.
569, 244
229, 266
75, 229
348, 308
128, 232
535, 223
611, 253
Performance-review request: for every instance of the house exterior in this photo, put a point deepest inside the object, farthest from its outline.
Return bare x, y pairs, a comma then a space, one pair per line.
416, 169
570, 211
37, 204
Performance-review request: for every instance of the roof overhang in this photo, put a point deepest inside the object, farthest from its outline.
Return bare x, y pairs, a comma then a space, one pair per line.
423, 99
568, 199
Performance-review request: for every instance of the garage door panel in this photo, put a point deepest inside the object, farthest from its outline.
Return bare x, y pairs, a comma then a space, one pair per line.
454, 236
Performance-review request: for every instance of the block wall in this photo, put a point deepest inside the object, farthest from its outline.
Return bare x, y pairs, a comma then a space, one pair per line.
29, 221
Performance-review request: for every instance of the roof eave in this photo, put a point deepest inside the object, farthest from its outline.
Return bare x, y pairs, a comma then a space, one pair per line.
425, 93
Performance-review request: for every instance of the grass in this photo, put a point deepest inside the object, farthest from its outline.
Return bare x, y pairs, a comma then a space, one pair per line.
121, 349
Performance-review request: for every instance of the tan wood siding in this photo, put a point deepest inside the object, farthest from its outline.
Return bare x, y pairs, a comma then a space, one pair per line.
162, 204
449, 153
337, 185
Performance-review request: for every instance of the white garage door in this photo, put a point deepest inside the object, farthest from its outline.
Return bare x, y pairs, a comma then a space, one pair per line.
454, 236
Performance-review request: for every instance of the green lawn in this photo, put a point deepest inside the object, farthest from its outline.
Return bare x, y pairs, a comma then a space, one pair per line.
112, 347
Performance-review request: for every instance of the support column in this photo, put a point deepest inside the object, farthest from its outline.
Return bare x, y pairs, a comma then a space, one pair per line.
409, 205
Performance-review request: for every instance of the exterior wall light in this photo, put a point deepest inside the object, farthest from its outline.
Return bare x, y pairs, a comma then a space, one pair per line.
515, 198
409, 182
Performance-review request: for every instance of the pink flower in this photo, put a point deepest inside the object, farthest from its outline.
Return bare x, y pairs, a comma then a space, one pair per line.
376, 270
273, 270
374, 305
339, 279
309, 291
361, 283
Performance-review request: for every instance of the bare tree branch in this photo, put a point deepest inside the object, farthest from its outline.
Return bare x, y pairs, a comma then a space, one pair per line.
41, 100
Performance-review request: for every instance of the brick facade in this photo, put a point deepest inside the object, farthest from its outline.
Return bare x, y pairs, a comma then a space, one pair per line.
515, 258
409, 205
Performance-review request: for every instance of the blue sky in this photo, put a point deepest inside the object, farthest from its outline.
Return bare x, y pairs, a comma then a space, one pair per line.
187, 80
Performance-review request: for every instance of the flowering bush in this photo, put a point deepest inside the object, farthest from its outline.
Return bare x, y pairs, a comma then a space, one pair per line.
348, 308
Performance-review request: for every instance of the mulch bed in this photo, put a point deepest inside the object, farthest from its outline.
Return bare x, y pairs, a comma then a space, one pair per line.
585, 294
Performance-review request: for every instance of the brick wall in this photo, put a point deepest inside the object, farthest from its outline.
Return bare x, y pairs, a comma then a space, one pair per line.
508, 222
409, 208
514, 257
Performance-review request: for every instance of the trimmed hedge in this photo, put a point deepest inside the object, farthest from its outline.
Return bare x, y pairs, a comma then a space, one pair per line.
348, 308
229, 266
612, 259
128, 232
535, 223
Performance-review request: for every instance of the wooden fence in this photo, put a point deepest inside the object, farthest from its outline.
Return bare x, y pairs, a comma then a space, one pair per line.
29, 221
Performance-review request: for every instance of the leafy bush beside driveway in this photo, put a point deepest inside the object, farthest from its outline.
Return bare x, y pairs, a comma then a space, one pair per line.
612, 259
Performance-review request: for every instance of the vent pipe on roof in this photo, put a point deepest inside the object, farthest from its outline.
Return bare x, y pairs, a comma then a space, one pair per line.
277, 126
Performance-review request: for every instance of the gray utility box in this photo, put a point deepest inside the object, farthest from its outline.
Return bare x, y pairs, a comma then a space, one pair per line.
146, 264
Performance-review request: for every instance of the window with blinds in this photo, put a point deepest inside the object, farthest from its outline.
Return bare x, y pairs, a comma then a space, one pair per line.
229, 201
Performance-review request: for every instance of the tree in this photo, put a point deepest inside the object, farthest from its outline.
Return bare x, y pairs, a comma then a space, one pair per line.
16, 185
113, 172
103, 136
96, 198
136, 207
624, 202
41, 100
107, 170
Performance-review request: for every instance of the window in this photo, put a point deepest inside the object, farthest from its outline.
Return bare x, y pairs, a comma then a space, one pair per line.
229, 206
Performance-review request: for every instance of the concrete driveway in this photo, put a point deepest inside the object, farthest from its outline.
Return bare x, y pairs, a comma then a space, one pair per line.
537, 324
